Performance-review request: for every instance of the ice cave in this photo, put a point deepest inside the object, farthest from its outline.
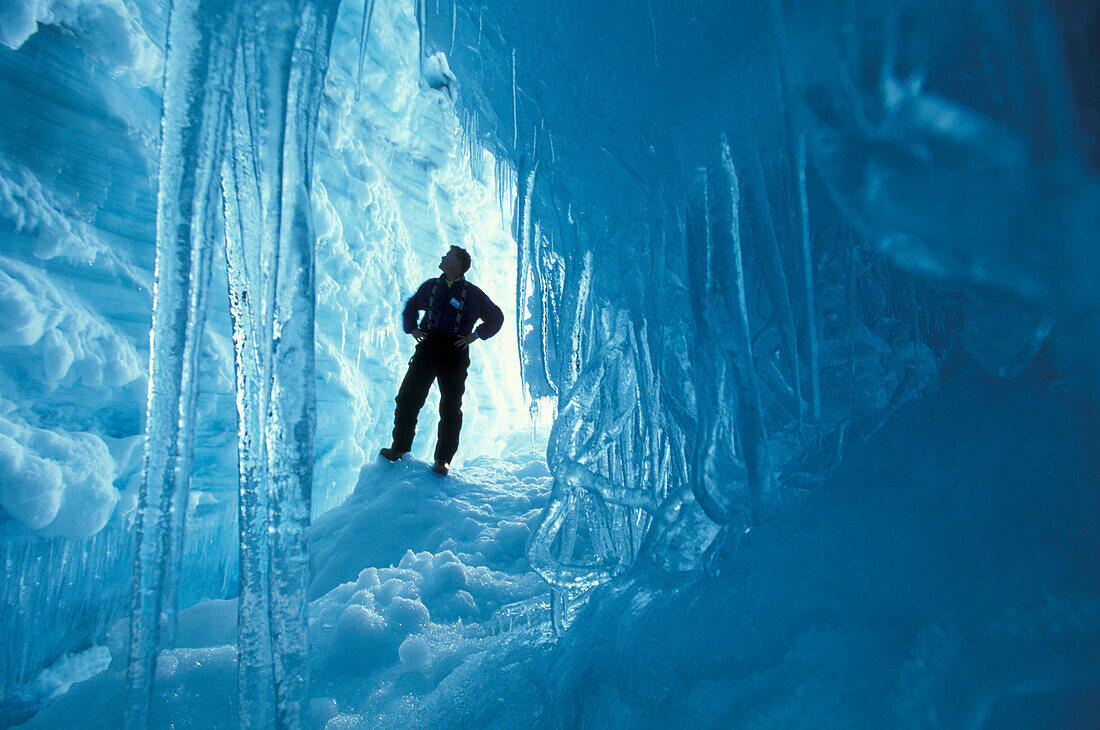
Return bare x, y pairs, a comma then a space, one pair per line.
793, 420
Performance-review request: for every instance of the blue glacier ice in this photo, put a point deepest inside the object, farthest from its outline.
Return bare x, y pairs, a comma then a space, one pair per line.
793, 421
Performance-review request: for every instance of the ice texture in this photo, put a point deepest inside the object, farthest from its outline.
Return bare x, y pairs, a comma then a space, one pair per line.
809, 291
770, 278
76, 281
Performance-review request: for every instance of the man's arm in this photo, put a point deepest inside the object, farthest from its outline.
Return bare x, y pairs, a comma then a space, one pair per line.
416, 303
491, 316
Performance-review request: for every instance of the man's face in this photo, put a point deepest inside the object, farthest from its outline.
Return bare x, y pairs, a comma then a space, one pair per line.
450, 265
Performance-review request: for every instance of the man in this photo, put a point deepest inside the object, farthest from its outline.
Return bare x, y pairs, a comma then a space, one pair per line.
451, 306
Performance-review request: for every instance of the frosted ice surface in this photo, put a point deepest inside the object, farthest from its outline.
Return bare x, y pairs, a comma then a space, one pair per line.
56, 481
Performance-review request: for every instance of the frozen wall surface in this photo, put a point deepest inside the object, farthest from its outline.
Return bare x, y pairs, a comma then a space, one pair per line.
810, 289
395, 185
750, 233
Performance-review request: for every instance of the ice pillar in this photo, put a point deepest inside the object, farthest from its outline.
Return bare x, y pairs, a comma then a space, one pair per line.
201, 39
275, 88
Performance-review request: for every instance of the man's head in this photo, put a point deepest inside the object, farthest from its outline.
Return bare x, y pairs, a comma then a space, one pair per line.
455, 263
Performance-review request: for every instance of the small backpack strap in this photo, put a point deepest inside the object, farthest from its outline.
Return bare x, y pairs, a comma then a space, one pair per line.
431, 303
461, 305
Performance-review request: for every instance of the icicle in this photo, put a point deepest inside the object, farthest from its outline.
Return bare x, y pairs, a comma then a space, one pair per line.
808, 282
652, 31
547, 307
525, 263
750, 417
284, 52
454, 23
916, 321
202, 256
578, 295
498, 181
796, 149
421, 28
515, 111
708, 242
712, 441
202, 39
292, 408
850, 301
649, 416
255, 682
364, 35
771, 265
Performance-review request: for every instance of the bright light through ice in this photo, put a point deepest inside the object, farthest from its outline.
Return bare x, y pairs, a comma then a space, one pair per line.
496, 408
400, 178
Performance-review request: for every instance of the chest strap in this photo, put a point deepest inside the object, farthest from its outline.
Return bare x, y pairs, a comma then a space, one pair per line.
461, 306
431, 306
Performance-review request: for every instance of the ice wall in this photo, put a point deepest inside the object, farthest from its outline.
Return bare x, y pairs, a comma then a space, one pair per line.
749, 232
396, 182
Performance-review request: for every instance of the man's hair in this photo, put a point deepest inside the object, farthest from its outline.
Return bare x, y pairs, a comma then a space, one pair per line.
463, 256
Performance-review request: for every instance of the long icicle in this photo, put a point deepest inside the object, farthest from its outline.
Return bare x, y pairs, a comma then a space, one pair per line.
808, 280
796, 154
201, 43
750, 416
364, 36
255, 688
515, 110
201, 255
292, 420
421, 30
522, 232
266, 53
771, 265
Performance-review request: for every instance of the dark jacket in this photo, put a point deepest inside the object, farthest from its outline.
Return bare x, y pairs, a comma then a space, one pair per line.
441, 304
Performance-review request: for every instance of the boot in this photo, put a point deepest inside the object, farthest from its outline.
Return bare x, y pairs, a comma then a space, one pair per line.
440, 468
391, 454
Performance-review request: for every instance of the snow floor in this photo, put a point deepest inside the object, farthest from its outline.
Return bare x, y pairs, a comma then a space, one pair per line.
415, 575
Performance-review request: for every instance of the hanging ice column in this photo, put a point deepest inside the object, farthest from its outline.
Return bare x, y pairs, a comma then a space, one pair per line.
283, 56
201, 39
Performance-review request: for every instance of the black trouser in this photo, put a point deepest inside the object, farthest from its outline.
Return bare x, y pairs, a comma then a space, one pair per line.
436, 358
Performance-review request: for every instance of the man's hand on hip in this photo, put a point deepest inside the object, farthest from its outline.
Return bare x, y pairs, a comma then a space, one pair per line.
419, 335
464, 342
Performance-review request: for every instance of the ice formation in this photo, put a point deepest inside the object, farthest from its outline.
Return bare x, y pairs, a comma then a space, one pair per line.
809, 293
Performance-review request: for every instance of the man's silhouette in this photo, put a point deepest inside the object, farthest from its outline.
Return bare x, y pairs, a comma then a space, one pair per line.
451, 306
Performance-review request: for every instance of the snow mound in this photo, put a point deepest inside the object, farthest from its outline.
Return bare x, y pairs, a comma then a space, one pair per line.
482, 514
56, 481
